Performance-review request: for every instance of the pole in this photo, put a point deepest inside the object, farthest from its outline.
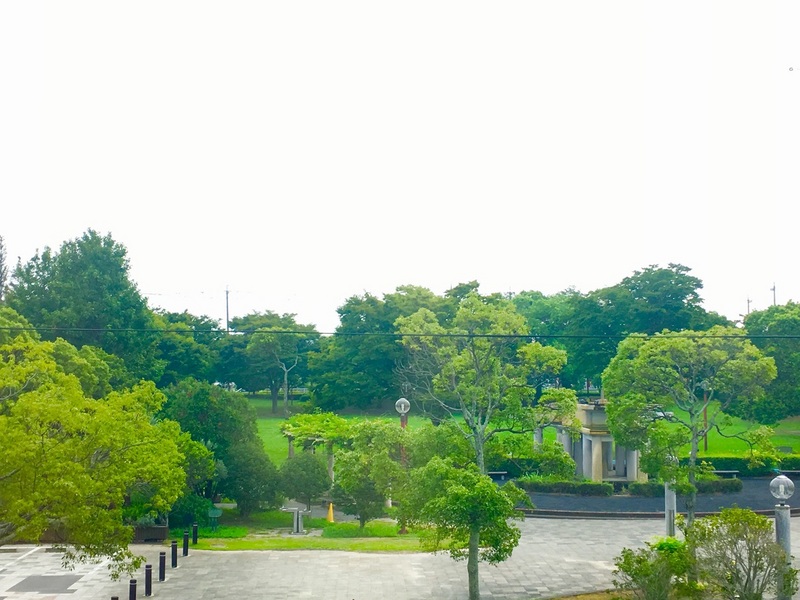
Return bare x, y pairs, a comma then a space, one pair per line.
186, 542
227, 317
148, 580
670, 508
132, 590
174, 554
783, 535
162, 566
194, 534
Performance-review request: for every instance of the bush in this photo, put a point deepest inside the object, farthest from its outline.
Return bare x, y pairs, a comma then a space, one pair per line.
190, 508
655, 489
742, 464
352, 530
653, 572
738, 556
533, 483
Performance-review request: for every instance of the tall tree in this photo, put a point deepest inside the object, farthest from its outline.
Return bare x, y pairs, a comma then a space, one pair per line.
478, 371
83, 293
465, 512
3, 269
687, 378
775, 331
68, 462
279, 346
187, 345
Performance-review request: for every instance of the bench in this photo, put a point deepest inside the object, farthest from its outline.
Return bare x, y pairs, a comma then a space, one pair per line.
727, 474
789, 473
498, 475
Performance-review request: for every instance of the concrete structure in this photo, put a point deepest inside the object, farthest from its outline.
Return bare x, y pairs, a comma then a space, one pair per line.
596, 455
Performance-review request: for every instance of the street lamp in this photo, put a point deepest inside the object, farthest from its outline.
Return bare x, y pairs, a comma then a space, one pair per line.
782, 488
402, 406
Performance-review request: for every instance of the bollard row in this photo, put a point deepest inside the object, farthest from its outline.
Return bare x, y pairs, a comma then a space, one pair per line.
162, 565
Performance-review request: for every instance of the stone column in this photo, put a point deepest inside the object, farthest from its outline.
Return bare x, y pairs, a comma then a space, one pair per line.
586, 451
632, 460
597, 460
538, 438
291, 445
566, 441
577, 456
621, 455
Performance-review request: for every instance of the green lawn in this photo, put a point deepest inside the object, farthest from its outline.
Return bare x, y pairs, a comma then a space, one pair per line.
276, 445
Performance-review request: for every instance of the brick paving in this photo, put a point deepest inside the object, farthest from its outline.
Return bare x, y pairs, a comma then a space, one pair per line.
556, 557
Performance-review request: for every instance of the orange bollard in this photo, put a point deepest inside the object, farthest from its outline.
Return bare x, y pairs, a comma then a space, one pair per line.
330, 512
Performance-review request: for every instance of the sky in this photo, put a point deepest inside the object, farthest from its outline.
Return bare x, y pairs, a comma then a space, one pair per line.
299, 153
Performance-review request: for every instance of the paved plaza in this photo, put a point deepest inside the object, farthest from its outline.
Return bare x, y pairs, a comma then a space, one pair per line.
556, 557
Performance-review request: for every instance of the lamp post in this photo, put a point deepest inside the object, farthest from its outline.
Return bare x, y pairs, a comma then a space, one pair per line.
782, 489
402, 406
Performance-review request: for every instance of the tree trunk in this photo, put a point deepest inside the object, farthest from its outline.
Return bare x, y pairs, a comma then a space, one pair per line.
472, 564
273, 392
691, 500
478, 443
285, 393
329, 449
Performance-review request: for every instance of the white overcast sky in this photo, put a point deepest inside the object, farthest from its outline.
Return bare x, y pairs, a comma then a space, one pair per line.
302, 152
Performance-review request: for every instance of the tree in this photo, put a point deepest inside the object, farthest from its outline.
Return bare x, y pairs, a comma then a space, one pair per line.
226, 423
83, 293
69, 462
187, 346
369, 469
304, 478
3, 269
775, 332
688, 379
479, 370
464, 511
280, 348
357, 366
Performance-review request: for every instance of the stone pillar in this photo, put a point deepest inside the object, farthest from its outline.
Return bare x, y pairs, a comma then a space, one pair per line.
329, 448
608, 458
538, 438
291, 445
783, 533
597, 460
632, 460
566, 441
587, 456
621, 455
577, 456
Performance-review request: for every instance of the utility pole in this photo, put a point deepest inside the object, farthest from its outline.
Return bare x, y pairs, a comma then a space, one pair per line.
748, 305
774, 300
227, 314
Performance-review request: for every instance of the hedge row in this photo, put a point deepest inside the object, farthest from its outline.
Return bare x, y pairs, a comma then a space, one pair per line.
655, 489
580, 488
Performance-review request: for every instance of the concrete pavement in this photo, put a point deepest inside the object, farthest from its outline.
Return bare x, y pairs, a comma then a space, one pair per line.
555, 558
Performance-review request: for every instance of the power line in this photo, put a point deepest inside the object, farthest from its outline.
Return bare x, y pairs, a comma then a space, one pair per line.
161, 330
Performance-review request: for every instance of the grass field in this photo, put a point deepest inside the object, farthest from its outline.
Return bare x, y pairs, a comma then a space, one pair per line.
787, 432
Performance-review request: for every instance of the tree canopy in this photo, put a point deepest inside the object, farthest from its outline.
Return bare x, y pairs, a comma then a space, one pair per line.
687, 378
69, 462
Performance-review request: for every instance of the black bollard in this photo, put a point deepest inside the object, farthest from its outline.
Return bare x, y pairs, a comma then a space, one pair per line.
114, 597
148, 580
132, 590
186, 542
174, 553
194, 534
162, 566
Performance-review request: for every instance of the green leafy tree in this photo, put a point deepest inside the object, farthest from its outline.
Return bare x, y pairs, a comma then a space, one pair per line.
304, 478
70, 463
280, 346
776, 331
3, 269
464, 512
226, 423
187, 345
478, 371
253, 481
698, 373
83, 293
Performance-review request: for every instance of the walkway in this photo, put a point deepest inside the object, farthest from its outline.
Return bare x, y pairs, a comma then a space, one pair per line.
556, 557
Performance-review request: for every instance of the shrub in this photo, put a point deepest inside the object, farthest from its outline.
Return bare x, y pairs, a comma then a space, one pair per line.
533, 483
737, 555
190, 508
655, 489
653, 572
